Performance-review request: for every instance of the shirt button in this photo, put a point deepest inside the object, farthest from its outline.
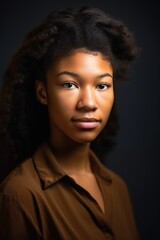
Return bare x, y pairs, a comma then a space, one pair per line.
50, 180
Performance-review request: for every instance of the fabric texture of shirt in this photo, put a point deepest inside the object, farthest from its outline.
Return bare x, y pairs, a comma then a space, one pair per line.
38, 200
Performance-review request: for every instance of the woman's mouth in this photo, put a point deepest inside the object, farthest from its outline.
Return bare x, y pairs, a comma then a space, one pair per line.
86, 123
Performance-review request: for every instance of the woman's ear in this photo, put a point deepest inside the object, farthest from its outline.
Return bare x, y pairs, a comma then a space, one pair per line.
41, 92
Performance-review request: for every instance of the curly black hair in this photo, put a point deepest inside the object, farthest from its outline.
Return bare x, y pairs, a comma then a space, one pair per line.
23, 120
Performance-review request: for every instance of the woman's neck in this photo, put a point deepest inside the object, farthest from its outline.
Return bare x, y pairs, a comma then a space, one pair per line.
72, 156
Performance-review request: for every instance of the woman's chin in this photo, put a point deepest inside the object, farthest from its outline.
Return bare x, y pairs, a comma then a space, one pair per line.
85, 139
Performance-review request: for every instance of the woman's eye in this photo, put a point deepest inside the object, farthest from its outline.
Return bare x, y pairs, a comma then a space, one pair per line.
102, 86
69, 85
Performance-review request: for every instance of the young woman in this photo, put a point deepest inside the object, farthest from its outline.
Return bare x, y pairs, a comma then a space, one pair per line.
57, 96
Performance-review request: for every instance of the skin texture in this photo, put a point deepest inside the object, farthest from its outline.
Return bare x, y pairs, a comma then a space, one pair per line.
80, 86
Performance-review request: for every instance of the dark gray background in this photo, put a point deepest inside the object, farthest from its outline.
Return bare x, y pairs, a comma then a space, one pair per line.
136, 155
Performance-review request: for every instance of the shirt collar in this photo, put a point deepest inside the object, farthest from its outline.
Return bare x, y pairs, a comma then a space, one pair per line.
50, 171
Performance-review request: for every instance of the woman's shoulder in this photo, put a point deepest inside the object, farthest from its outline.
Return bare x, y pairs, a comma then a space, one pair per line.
116, 178
22, 180
118, 183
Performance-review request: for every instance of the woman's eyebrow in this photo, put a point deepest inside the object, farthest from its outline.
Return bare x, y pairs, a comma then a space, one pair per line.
77, 76
67, 73
105, 75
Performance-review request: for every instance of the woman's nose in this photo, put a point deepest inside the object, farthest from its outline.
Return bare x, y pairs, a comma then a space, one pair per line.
87, 100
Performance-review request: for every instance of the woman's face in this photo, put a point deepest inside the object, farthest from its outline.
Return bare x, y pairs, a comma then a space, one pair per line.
79, 94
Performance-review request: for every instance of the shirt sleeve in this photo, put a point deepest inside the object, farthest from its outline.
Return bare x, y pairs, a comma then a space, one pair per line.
15, 223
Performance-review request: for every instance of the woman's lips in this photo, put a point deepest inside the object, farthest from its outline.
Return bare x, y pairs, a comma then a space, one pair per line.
86, 123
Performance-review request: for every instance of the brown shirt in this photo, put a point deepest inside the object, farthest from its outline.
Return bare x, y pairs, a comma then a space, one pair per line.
39, 201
